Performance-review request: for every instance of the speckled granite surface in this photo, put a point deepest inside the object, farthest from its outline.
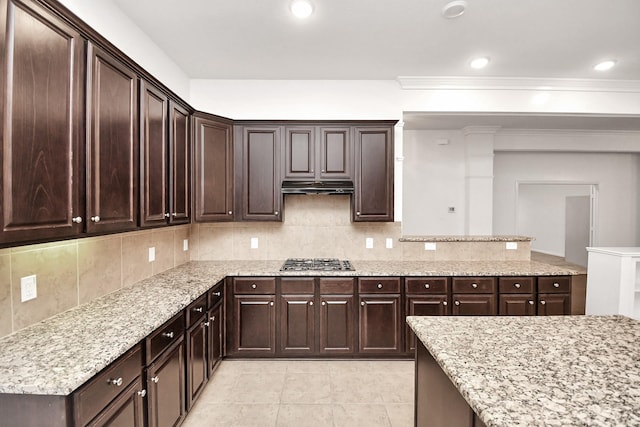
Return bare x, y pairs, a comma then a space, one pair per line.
75, 345
450, 238
540, 371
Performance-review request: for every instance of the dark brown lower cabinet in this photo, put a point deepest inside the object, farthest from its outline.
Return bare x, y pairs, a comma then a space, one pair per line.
517, 305
166, 387
297, 324
125, 411
215, 338
474, 305
336, 324
554, 304
424, 305
254, 324
197, 365
379, 324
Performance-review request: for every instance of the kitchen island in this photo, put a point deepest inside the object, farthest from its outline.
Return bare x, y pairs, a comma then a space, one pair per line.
527, 371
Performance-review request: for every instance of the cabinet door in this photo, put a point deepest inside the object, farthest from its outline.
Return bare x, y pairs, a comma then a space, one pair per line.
299, 153
517, 305
42, 103
474, 305
197, 363
336, 324
214, 355
166, 388
180, 165
431, 305
373, 198
260, 197
112, 143
336, 153
380, 324
214, 169
297, 324
254, 324
127, 410
153, 156
554, 304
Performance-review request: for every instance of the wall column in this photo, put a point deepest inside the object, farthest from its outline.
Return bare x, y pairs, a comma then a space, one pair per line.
479, 141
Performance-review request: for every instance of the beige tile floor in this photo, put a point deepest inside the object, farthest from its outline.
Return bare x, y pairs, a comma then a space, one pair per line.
307, 393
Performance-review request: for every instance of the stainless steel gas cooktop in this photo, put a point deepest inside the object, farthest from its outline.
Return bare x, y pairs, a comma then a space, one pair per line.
316, 264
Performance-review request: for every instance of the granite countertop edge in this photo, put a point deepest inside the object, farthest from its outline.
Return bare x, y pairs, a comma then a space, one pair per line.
465, 238
134, 312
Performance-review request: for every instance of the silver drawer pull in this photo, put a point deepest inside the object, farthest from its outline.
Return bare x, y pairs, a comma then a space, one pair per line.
115, 382
168, 334
379, 285
198, 309
517, 285
556, 285
427, 286
457, 303
253, 286
474, 285
142, 393
155, 379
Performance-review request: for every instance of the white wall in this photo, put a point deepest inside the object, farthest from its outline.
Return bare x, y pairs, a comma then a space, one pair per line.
109, 20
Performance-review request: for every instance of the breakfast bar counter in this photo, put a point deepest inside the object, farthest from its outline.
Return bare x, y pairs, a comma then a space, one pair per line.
527, 371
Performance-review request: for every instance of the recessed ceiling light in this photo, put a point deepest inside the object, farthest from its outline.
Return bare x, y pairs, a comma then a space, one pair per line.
605, 65
453, 9
301, 8
479, 63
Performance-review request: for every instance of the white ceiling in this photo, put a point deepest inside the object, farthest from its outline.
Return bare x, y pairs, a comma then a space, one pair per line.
384, 39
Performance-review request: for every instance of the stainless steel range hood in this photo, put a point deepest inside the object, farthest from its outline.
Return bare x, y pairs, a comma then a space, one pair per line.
316, 187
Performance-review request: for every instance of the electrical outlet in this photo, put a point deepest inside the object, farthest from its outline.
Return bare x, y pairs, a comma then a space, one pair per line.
429, 246
389, 243
152, 254
368, 243
185, 245
512, 246
28, 288
254, 243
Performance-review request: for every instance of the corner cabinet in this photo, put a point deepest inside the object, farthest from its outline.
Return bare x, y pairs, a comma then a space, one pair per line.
112, 143
373, 197
42, 105
213, 168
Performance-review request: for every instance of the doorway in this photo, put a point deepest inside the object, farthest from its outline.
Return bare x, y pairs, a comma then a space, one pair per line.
561, 216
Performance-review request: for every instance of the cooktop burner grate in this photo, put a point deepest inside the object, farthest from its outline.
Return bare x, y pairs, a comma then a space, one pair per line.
316, 264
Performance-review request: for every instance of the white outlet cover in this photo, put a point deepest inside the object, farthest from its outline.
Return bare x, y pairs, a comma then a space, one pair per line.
185, 245
254, 243
368, 243
28, 288
389, 243
512, 246
152, 254
429, 246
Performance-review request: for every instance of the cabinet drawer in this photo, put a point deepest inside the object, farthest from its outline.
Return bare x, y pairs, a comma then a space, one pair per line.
554, 284
164, 336
336, 286
95, 395
383, 285
216, 294
473, 285
299, 285
196, 310
426, 285
516, 285
257, 285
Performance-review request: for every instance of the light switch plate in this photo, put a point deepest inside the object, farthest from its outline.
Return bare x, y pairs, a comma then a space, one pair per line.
389, 243
254, 243
512, 246
185, 245
429, 246
28, 288
368, 243
152, 254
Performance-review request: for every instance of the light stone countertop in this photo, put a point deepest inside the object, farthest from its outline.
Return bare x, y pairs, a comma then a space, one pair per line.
59, 354
540, 371
463, 238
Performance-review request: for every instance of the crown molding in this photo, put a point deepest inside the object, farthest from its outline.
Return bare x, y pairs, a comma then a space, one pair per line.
517, 83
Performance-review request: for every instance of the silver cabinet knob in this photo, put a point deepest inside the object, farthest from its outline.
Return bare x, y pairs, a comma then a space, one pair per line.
379, 285
95, 218
362, 303
324, 303
457, 303
166, 215
174, 214
323, 171
427, 286
198, 309
217, 294
310, 302
517, 285
271, 303
253, 286
205, 324
142, 393
444, 303
276, 212
76, 219
543, 302
155, 379
530, 302
358, 213
116, 382
168, 334
556, 285
474, 285
212, 318
230, 212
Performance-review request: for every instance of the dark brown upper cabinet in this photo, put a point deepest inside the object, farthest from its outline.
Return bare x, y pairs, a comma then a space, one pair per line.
317, 153
42, 105
180, 164
154, 106
214, 168
257, 157
112, 143
373, 197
